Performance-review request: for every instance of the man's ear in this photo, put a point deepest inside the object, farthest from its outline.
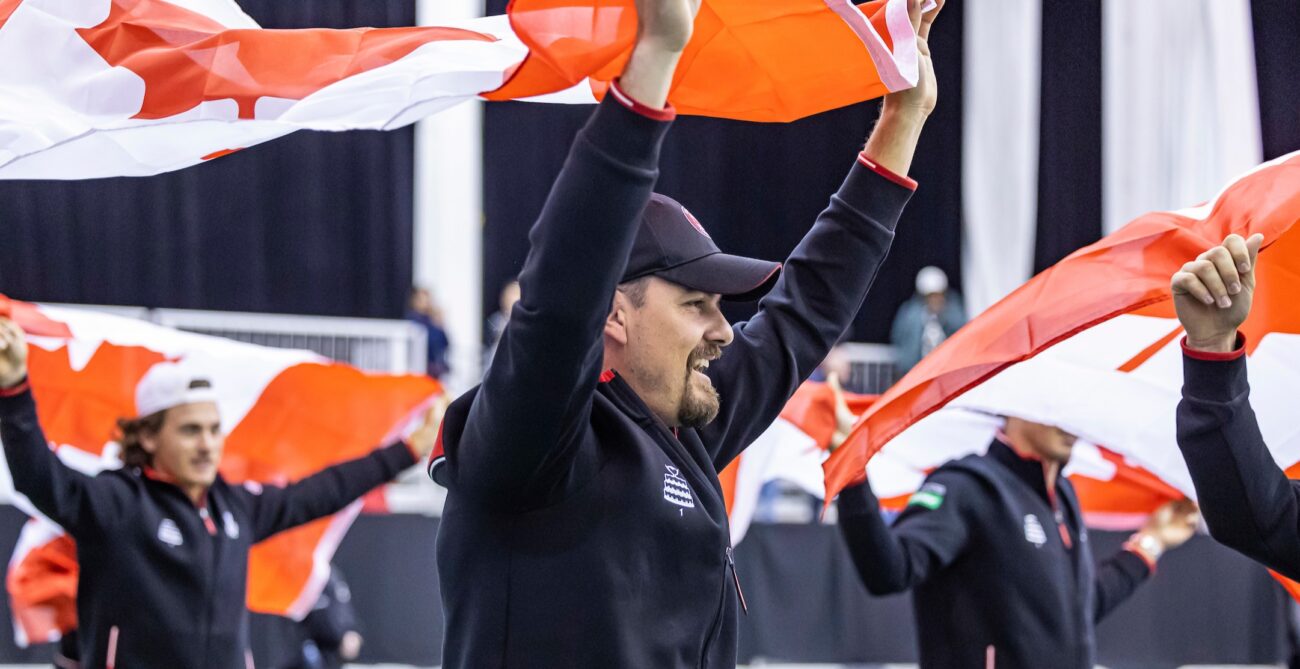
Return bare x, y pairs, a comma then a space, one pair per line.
616, 322
149, 441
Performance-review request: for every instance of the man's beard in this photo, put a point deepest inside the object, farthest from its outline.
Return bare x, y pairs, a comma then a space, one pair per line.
698, 408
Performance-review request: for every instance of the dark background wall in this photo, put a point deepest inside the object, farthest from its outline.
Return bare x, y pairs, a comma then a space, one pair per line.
314, 223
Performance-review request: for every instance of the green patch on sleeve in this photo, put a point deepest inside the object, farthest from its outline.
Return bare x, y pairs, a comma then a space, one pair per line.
930, 496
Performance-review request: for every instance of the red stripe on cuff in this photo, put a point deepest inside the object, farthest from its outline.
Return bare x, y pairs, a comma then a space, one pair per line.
905, 182
668, 113
1214, 356
16, 390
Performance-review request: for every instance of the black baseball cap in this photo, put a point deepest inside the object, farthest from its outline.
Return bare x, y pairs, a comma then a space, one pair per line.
672, 245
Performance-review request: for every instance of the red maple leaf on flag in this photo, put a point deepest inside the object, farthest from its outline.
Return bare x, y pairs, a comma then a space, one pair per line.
186, 58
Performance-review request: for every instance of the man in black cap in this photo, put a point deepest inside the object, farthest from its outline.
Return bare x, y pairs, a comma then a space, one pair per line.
584, 524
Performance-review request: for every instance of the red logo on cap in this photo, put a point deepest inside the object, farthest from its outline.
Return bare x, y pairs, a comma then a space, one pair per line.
695, 223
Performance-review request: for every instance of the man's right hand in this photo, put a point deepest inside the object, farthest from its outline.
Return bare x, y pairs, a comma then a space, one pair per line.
663, 29
1213, 294
13, 354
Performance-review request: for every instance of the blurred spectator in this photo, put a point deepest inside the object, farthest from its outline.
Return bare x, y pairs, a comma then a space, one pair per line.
423, 311
925, 320
496, 323
331, 629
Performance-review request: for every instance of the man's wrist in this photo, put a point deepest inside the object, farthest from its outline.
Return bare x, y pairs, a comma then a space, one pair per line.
1214, 344
1146, 545
648, 75
10, 387
903, 114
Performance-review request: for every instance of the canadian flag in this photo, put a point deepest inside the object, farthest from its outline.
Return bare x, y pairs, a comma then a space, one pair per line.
1092, 343
287, 414
99, 88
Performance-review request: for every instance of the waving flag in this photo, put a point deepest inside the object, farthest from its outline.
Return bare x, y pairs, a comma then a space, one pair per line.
287, 414
758, 60
1115, 494
1092, 344
100, 88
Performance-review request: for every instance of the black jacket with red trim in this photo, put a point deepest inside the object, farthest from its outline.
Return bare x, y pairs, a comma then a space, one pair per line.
579, 531
163, 582
1247, 501
999, 565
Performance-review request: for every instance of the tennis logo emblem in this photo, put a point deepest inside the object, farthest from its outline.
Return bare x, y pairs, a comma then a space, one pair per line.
676, 489
1034, 533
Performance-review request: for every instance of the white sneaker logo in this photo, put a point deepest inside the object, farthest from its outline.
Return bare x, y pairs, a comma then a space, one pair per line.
169, 533
676, 489
1034, 533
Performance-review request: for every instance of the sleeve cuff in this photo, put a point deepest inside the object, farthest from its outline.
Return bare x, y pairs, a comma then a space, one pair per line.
1147, 560
1212, 356
668, 113
14, 391
905, 182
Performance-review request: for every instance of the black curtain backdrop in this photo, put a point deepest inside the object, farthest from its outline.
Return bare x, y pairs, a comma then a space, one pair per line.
756, 187
1277, 41
314, 223
1069, 153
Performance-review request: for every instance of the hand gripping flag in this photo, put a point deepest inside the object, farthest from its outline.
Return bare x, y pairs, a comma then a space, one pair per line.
287, 414
100, 88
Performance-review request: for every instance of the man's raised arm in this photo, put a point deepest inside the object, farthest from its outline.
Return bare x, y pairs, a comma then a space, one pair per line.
827, 276
519, 431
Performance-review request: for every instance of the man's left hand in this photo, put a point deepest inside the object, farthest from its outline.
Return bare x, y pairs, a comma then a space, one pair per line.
922, 97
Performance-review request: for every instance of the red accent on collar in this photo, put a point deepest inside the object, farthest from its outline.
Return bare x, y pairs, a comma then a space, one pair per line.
607, 376
164, 477
906, 182
157, 475
1212, 356
17, 390
668, 113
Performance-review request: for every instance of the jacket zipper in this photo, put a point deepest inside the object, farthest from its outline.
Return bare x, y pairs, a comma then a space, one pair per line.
990, 657
111, 657
735, 576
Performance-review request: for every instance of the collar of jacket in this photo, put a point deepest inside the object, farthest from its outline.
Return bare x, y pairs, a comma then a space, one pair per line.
151, 474
1029, 469
630, 403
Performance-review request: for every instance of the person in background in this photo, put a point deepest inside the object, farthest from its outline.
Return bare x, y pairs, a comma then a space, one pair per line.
423, 311
926, 319
166, 536
332, 633
995, 551
496, 323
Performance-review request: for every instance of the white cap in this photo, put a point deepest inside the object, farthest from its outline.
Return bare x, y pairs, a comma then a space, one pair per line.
931, 280
167, 385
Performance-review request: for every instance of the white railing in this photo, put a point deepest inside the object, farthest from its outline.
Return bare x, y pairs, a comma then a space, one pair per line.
375, 345
872, 367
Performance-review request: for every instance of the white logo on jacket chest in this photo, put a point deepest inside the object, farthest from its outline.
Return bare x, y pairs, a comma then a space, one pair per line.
1034, 533
676, 489
169, 533
228, 521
